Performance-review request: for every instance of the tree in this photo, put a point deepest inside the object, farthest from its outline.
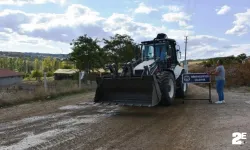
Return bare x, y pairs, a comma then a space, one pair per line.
57, 64
86, 52
36, 64
36, 74
47, 64
241, 57
119, 48
66, 65
20, 65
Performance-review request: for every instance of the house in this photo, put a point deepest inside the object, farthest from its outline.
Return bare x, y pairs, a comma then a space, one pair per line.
247, 60
65, 74
9, 77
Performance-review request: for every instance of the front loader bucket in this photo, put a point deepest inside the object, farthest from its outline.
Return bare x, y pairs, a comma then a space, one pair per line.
134, 91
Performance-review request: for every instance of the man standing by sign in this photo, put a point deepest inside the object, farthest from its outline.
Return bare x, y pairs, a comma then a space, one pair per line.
219, 73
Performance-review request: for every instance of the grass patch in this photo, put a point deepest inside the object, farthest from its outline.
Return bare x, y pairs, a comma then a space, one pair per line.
55, 90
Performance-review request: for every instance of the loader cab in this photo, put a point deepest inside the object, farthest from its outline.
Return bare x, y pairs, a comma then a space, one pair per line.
147, 52
153, 51
163, 49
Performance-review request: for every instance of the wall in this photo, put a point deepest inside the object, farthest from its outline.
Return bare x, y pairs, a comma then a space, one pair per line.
10, 81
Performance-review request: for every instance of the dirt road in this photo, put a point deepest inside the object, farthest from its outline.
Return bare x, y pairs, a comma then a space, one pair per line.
76, 123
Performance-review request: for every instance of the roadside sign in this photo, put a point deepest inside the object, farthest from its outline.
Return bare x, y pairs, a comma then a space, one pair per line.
196, 78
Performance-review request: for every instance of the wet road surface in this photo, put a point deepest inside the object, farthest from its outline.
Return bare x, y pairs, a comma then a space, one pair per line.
77, 123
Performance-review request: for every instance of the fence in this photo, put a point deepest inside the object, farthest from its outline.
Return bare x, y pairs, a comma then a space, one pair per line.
28, 87
26, 92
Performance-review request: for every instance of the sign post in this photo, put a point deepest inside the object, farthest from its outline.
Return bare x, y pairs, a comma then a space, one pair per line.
198, 78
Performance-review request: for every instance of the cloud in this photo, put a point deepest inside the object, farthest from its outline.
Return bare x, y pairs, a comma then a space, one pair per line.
236, 49
201, 51
207, 39
205, 50
4, 37
241, 24
22, 43
176, 14
124, 24
78, 20
223, 10
205, 46
23, 2
143, 9
172, 8
47, 32
13, 18
180, 17
75, 21
175, 17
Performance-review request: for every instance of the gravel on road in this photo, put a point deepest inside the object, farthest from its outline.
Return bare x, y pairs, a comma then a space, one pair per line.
75, 122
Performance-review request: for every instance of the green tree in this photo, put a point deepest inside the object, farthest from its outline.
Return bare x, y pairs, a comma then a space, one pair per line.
11, 63
36, 64
57, 64
36, 74
119, 48
241, 57
86, 53
47, 64
20, 64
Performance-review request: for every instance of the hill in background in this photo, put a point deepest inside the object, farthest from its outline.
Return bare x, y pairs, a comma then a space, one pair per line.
32, 55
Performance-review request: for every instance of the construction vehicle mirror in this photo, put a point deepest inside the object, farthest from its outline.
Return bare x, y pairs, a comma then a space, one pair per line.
177, 47
178, 53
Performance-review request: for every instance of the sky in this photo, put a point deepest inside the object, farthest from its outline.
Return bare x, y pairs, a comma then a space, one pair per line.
214, 28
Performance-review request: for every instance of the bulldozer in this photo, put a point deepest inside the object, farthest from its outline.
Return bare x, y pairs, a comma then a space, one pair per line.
153, 78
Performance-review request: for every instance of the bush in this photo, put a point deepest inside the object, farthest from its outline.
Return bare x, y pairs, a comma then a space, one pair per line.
67, 67
26, 75
236, 74
50, 74
36, 74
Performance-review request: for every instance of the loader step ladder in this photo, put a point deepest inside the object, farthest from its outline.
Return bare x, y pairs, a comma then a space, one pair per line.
202, 78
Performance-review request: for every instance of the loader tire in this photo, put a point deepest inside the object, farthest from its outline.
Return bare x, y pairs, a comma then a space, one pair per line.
182, 90
168, 88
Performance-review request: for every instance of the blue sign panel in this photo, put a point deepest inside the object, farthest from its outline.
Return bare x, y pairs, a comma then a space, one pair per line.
196, 78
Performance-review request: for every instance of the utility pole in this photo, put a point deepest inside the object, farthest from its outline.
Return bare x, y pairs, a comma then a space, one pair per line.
186, 38
186, 64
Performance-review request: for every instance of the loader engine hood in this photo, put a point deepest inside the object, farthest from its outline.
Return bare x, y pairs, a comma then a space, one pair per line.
138, 70
144, 63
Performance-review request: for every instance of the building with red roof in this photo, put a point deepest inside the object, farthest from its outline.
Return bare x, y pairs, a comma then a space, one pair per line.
9, 77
